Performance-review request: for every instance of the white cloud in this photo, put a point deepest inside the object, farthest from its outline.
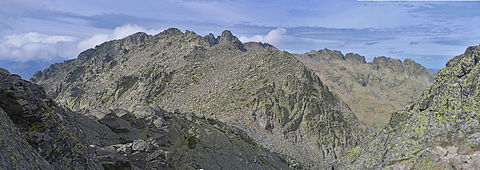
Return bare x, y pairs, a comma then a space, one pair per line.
279, 38
37, 46
33, 46
276, 37
93, 41
126, 30
117, 33
18, 40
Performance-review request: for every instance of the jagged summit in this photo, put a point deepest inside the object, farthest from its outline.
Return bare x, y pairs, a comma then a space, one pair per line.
170, 32
211, 39
354, 57
330, 54
227, 36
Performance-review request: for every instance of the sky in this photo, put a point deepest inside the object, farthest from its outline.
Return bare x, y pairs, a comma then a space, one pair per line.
35, 34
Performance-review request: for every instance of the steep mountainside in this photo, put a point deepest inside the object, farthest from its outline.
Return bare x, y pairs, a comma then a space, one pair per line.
36, 133
440, 130
373, 90
269, 94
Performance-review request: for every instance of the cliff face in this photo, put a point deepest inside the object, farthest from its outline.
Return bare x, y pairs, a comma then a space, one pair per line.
269, 94
373, 90
441, 129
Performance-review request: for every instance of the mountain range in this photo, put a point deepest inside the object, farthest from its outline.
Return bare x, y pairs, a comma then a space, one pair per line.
183, 101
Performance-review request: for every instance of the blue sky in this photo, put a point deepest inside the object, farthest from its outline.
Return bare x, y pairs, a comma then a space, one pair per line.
35, 34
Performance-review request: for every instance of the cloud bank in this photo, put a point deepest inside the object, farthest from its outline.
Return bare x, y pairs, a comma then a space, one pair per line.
275, 37
118, 33
36, 46
33, 46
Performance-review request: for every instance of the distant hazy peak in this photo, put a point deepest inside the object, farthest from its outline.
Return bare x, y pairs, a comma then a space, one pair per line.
354, 57
326, 54
383, 59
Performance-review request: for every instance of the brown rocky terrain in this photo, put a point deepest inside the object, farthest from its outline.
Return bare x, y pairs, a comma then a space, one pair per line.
373, 90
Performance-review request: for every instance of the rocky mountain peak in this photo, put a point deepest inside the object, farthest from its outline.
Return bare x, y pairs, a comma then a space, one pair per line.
5, 71
464, 63
332, 54
412, 67
354, 57
326, 54
408, 65
210, 38
228, 38
171, 32
387, 62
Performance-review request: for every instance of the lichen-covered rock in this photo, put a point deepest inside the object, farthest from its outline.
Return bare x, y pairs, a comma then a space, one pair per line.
373, 90
47, 127
269, 94
16, 152
440, 130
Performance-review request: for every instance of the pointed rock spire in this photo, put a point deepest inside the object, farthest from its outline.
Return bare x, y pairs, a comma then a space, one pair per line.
210, 38
228, 38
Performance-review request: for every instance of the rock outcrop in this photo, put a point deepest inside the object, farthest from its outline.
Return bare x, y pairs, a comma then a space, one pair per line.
156, 139
440, 130
45, 126
16, 151
373, 90
281, 104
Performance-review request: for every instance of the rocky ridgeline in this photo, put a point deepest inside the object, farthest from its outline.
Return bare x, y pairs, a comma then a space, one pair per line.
277, 101
38, 134
440, 130
373, 90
